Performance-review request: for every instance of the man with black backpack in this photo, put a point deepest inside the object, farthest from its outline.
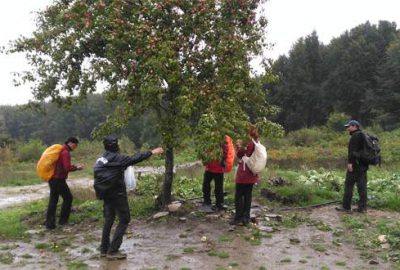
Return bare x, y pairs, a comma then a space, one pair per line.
357, 169
110, 186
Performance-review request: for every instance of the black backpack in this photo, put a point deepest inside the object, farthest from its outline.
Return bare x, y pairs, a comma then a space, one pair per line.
371, 152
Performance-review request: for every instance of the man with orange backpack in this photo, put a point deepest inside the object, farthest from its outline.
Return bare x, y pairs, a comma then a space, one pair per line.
214, 170
58, 185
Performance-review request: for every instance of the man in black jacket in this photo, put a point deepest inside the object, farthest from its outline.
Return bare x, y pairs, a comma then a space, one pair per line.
356, 170
110, 186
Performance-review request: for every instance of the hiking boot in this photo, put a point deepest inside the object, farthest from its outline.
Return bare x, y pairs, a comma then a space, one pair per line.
65, 223
361, 210
235, 222
341, 209
50, 227
219, 208
245, 221
117, 255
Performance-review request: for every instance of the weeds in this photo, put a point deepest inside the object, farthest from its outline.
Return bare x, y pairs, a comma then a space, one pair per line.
6, 258
172, 257
318, 247
77, 265
188, 250
219, 254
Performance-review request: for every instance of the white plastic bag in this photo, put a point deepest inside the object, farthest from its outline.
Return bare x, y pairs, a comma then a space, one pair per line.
130, 179
258, 160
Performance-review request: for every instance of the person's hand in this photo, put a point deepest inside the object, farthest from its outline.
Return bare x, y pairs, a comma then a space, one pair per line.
157, 151
239, 143
79, 167
350, 167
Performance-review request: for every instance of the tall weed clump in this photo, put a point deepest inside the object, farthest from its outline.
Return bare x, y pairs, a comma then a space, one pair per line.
30, 151
336, 121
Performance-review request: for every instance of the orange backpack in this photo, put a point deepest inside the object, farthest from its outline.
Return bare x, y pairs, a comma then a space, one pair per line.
230, 154
47, 163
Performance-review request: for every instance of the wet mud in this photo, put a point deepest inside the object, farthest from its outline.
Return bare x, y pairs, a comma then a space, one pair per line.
196, 243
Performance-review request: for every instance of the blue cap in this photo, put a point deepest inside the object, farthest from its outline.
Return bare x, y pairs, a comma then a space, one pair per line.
352, 123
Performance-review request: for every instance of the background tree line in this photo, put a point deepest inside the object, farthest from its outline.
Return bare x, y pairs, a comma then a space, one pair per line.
53, 124
357, 73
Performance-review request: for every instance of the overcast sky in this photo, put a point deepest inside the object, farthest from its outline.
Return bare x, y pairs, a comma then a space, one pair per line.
288, 21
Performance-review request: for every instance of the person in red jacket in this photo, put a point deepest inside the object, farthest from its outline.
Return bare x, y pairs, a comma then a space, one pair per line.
58, 185
214, 170
245, 179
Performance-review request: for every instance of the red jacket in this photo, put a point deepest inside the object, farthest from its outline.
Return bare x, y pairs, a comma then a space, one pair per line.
243, 174
64, 165
217, 166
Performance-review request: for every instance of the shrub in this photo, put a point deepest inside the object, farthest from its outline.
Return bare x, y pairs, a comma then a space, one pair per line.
6, 154
30, 151
336, 121
305, 137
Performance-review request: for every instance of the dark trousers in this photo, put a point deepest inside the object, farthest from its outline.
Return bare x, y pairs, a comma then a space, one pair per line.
58, 187
359, 177
243, 197
112, 207
219, 188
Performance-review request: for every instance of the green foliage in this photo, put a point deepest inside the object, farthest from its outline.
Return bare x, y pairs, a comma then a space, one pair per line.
356, 74
336, 121
11, 219
30, 151
385, 99
157, 56
77, 265
322, 180
6, 258
185, 187
305, 137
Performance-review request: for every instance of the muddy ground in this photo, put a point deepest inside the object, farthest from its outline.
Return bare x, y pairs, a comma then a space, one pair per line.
201, 241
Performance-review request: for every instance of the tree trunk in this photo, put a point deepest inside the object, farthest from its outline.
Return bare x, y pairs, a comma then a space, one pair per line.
169, 175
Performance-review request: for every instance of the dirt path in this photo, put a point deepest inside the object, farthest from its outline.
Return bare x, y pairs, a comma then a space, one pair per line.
198, 243
11, 196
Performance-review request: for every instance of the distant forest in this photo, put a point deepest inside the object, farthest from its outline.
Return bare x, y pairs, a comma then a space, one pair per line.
357, 74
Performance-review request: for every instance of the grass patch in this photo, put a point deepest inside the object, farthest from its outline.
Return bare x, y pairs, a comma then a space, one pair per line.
44, 246
340, 263
219, 254
172, 257
77, 265
353, 222
318, 247
6, 258
255, 237
293, 220
26, 256
188, 250
11, 219
226, 238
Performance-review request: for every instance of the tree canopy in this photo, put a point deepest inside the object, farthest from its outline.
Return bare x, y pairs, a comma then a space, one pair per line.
354, 74
187, 61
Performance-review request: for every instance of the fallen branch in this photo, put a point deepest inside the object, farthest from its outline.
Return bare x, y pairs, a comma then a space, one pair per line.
306, 207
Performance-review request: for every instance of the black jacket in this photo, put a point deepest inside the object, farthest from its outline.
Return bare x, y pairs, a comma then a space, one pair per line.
356, 144
109, 173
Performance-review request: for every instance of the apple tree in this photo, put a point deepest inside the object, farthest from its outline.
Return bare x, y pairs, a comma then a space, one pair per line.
188, 61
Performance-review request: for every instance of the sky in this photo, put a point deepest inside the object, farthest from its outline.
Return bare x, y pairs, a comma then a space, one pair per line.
288, 20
